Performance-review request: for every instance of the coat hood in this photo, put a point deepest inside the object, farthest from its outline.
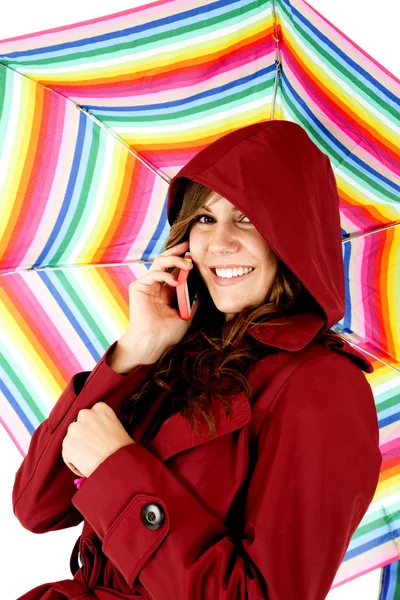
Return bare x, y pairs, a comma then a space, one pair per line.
275, 174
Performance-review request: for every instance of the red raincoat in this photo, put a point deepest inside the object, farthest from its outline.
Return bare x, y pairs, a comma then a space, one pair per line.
266, 508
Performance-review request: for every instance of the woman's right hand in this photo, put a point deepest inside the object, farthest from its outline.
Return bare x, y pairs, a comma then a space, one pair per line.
154, 325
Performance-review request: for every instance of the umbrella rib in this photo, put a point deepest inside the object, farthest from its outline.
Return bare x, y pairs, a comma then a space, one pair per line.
135, 154
352, 236
349, 339
278, 63
144, 161
88, 266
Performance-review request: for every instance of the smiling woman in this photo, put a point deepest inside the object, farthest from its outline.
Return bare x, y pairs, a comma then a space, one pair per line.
245, 423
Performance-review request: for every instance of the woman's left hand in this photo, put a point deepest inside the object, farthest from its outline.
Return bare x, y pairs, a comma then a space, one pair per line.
92, 437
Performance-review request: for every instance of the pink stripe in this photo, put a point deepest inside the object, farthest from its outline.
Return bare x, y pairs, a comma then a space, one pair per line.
372, 305
35, 204
218, 76
50, 343
179, 79
391, 556
389, 449
139, 207
357, 218
14, 439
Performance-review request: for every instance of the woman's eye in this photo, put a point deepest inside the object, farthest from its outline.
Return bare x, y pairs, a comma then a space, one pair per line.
197, 219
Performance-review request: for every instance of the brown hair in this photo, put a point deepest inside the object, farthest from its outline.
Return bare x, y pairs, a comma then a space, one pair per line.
213, 351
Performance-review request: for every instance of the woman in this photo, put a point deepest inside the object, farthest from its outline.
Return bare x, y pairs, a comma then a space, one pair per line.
232, 455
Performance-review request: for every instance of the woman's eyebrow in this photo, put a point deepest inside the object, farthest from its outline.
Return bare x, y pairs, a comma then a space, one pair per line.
233, 209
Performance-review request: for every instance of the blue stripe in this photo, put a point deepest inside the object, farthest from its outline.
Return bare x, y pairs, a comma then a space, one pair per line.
190, 102
388, 420
70, 311
159, 237
346, 321
72, 184
374, 543
78, 316
389, 586
192, 16
23, 397
15, 405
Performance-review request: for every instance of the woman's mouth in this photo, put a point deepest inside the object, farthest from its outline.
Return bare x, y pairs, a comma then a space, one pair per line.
229, 280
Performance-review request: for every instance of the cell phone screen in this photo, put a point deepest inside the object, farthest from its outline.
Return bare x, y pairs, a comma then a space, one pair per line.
191, 290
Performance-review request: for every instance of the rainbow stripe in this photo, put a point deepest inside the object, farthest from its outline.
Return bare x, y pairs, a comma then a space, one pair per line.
82, 216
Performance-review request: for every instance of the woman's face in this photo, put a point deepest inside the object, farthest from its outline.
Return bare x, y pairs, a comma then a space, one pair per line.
223, 236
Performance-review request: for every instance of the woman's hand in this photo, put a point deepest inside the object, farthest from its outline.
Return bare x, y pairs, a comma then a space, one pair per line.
96, 434
153, 323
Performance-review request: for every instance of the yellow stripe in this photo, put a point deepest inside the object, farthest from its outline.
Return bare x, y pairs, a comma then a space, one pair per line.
109, 200
393, 292
162, 57
14, 337
96, 281
197, 133
19, 152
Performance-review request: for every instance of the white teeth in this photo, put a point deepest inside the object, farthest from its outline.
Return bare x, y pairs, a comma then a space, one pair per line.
232, 272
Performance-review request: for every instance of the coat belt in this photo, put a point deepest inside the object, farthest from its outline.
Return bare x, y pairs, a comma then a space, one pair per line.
77, 590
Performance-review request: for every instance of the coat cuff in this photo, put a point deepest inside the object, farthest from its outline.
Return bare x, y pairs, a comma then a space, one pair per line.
112, 500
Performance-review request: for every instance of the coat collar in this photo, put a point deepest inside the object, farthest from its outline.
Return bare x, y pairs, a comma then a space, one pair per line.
289, 333
176, 434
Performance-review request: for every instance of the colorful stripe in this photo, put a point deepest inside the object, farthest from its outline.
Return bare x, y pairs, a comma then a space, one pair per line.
168, 78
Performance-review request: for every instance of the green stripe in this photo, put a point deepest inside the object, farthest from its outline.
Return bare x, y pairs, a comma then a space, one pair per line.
387, 400
89, 196
63, 249
24, 392
213, 107
76, 297
368, 525
3, 77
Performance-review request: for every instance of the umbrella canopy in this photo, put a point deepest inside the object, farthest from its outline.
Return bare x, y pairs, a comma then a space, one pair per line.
95, 118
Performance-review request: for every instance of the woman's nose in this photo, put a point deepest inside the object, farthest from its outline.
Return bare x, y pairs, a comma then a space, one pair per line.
223, 238
223, 233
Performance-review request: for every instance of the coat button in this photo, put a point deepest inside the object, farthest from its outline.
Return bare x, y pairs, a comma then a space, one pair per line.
153, 516
80, 563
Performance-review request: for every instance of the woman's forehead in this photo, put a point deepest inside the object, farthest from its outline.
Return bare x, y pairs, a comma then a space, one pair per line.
214, 197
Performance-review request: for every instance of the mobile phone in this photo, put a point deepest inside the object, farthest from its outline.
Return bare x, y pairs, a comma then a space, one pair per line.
186, 292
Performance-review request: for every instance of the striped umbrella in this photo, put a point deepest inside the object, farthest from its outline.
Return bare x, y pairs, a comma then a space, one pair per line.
95, 118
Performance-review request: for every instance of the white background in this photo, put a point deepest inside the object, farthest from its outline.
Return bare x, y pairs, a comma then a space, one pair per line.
28, 560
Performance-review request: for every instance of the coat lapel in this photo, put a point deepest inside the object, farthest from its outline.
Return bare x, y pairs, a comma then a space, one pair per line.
176, 433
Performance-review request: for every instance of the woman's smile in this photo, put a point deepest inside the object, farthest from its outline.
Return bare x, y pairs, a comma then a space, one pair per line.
229, 280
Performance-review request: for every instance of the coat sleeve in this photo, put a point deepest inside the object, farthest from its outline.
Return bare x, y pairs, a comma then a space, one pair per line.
316, 474
44, 485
